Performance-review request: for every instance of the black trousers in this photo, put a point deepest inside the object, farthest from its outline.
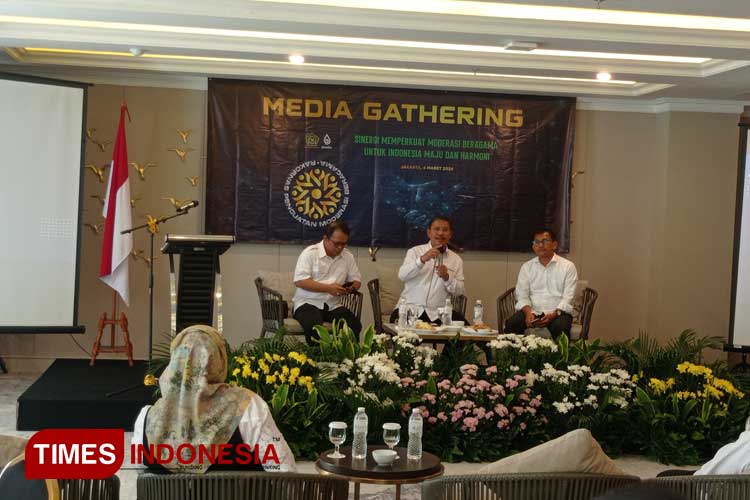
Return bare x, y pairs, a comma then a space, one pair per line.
456, 316
308, 316
559, 325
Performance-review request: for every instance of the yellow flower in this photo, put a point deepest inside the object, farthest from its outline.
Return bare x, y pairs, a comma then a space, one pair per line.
255, 375
282, 378
670, 383
246, 371
712, 391
268, 357
264, 367
727, 386
285, 370
635, 377
693, 369
306, 382
658, 386
270, 379
276, 357
150, 380
685, 395
235, 372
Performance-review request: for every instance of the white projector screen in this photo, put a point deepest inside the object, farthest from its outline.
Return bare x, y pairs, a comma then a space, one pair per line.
739, 324
41, 146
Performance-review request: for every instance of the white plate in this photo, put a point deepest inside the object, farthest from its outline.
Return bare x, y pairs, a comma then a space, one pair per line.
449, 329
469, 331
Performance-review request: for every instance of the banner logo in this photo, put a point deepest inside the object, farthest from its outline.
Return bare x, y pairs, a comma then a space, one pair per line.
311, 140
316, 193
74, 453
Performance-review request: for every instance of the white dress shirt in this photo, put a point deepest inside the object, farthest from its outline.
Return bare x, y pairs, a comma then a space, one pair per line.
422, 285
546, 288
732, 458
314, 263
256, 427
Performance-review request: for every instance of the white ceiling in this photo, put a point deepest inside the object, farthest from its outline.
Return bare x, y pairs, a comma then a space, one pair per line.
165, 28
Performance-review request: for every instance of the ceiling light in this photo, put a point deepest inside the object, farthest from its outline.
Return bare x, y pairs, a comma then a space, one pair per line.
603, 76
300, 37
296, 59
520, 46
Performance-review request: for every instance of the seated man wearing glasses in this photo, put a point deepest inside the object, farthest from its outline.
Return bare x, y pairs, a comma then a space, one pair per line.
545, 290
325, 271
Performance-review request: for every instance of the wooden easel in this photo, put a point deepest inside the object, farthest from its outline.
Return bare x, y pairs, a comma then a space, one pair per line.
113, 322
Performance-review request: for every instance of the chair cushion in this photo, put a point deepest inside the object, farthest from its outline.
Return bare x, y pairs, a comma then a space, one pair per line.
390, 288
576, 451
10, 448
294, 328
282, 282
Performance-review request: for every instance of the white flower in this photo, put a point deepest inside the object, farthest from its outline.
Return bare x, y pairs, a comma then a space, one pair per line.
563, 407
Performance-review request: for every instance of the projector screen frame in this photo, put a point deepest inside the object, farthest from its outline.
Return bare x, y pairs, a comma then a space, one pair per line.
744, 126
75, 327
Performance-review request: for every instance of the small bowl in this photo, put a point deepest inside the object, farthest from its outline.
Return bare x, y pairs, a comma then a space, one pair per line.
384, 457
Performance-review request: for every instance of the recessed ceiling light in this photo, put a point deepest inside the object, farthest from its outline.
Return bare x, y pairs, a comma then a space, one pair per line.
234, 60
136, 51
296, 59
603, 76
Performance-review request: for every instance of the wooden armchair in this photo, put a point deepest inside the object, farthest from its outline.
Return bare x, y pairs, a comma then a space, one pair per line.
526, 486
241, 485
723, 487
506, 307
276, 313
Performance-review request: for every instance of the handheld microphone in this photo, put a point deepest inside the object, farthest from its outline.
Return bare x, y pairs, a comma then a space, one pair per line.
188, 206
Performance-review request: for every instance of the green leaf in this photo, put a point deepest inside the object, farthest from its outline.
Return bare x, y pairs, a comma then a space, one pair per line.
280, 398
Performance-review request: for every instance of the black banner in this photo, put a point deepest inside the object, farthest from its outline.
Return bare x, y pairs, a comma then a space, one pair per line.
284, 159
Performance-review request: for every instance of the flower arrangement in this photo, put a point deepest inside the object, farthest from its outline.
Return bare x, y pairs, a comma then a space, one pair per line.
481, 416
683, 418
535, 389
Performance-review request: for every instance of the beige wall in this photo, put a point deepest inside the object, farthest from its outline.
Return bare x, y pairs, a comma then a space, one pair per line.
652, 225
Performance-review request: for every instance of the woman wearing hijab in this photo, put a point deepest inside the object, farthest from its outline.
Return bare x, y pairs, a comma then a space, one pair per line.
198, 410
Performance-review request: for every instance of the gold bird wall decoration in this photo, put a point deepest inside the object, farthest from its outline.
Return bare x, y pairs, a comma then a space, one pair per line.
184, 134
136, 254
193, 180
95, 228
102, 145
174, 201
98, 171
181, 153
141, 169
133, 201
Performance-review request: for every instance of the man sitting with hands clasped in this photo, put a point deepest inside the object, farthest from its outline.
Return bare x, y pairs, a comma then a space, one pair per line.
325, 271
545, 290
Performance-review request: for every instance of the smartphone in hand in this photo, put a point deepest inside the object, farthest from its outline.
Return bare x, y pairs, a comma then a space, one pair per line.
348, 285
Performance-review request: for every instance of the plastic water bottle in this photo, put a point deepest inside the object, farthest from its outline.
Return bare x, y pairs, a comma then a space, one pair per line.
403, 313
478, 312
359, 441
414, 448
447, 317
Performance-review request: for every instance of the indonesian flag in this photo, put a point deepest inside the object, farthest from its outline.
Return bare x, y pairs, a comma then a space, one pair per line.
116, 247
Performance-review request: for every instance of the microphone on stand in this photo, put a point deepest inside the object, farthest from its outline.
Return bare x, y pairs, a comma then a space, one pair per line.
187, 206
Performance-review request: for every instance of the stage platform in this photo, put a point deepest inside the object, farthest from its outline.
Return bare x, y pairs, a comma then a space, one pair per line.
71, 394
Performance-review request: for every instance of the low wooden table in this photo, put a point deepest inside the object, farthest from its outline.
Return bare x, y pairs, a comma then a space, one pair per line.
402, 471
482, 340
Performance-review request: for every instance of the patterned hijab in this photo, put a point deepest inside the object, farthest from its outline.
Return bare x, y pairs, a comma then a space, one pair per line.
196, 406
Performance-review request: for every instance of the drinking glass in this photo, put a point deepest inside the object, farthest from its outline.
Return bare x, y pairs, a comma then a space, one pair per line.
391, 434
411, 315
337, 436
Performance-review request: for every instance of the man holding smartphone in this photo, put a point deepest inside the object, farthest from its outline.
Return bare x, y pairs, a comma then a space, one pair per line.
545, 290
325, 271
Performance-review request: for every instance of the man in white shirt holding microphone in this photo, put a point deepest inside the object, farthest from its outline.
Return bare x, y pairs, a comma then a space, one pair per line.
432, 273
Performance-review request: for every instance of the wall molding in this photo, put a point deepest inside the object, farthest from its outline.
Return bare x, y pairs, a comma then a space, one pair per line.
194, 82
